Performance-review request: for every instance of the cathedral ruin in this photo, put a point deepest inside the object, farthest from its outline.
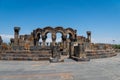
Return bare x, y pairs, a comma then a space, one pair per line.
29, 47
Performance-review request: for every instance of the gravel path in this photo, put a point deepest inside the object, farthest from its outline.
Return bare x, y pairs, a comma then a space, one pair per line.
95, 69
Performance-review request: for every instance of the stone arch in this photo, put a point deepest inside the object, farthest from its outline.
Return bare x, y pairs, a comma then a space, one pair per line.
39, 30
72, 33
38, 33
61, 30
42, 33
47, 29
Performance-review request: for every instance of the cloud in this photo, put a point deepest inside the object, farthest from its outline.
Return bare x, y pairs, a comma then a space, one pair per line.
6, 37
106, 40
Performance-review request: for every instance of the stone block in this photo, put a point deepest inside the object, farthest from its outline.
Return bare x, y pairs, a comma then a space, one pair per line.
0, 47
80, 59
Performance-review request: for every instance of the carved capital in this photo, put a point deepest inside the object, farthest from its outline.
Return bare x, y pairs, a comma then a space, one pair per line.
88, 32
64, 37
44, 37
16, 29
53, 37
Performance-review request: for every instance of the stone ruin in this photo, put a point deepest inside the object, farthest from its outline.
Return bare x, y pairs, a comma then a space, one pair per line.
29, 47
1, 41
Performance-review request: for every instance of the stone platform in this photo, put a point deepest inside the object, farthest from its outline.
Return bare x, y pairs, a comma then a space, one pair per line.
100, 54
26, 55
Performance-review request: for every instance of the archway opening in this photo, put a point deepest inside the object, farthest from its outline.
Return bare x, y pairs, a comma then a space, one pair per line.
48, 39
58, 37
59, 40
69, 37
40, 40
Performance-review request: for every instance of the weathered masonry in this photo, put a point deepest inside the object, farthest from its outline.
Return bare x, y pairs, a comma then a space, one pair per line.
29, 47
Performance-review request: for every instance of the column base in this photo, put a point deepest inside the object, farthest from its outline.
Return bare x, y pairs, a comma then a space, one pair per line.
80, 59
55, 60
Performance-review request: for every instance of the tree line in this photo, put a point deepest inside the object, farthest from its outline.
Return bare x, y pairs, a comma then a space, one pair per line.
116, 46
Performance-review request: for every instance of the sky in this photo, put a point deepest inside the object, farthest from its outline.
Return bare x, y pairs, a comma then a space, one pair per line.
101, 17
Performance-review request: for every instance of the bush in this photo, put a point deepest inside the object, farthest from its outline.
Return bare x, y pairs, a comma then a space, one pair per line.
116, 46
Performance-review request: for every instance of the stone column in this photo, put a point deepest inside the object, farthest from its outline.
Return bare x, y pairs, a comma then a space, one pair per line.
82, 50
12, 41
37, 39
16, 35
89, 36
1, 40
34, 36
68, 45
71, 49
37, 43
64, 37
44, 39
75, 35
53, 39
70, 53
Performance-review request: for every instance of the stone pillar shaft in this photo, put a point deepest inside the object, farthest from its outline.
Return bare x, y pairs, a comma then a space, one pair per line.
89, 36
44, 39
43, 43
53, 39
16, 35
64, 37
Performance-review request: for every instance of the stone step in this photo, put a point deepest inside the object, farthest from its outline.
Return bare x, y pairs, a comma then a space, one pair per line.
95, 56
26, 55
29, 52
24, 58
92, 54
